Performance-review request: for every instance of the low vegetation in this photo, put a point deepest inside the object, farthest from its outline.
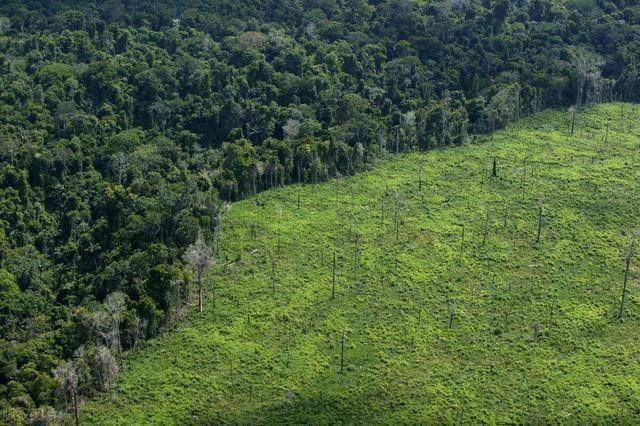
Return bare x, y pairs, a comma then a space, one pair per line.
475, 284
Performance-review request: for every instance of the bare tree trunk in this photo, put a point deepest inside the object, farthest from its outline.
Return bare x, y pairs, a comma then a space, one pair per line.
626, 276
355, 257
506, 211
486, 228
200, 290
333, 283
342, 353
540, 217
624, 287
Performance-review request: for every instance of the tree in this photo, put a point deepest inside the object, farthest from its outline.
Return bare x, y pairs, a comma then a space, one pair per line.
626, 272
199, 257
114, 305
120, 164
105, 367
587, 65
67, 375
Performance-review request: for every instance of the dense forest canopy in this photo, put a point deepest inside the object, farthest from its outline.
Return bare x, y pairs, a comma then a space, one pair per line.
126, 125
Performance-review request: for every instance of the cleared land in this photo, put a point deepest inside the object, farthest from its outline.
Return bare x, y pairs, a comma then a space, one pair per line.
498, 328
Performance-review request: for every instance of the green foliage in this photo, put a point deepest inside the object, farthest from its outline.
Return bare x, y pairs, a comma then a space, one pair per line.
498, 330
123, 124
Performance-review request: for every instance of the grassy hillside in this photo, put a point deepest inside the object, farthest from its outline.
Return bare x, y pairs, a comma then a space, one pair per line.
500, 329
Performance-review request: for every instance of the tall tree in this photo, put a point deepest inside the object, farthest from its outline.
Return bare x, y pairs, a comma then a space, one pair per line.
199, 257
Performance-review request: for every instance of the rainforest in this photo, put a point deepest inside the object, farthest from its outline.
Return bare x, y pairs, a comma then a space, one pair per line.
319, 212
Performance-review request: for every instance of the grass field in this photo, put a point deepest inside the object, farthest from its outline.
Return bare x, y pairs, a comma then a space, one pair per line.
496, 329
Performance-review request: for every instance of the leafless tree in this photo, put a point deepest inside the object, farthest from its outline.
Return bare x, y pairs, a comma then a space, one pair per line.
626, 272
199, 257
105, 367
572, 111
120, 163
587, 65
66, 374
114, 305
291, 129
540, 218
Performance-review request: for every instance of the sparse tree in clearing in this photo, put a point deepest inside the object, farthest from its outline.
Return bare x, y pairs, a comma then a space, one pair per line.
356, 254
342, 352
506, 212
486, 228
273, 276
540, 218
397, 215
199, 257
67, 376
606, 135
572, 111
333, 283
626, 272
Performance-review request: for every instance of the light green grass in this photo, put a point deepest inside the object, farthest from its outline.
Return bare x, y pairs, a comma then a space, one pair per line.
403, 364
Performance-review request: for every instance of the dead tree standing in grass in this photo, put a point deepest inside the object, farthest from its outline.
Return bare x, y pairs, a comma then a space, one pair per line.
606, 135
506, 212
397, 227
273, 276
572, 111
342, 352
333, 281
199, 257
397, 216
486, 228
356, 253
540, 218
494, 172
626, 274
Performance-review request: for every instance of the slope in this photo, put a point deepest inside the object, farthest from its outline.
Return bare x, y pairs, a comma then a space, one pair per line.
428, 325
